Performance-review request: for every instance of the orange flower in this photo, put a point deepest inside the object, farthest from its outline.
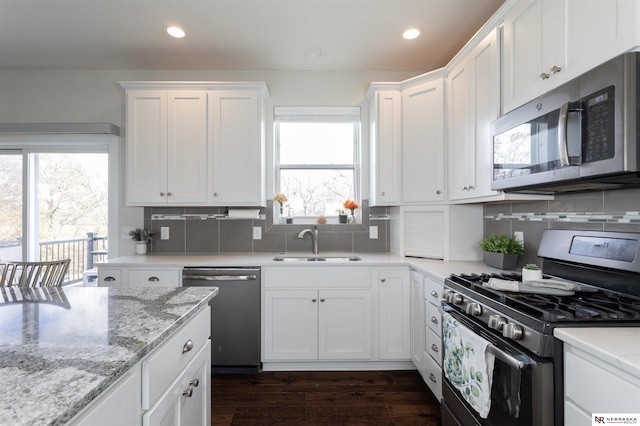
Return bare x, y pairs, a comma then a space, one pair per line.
350, 204
281, 198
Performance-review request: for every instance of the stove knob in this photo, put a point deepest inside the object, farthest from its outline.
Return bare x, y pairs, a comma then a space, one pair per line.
457, 299
446, 293
474, 309
496, 322
512, 331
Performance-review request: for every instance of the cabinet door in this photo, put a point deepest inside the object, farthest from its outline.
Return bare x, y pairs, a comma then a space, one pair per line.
386, 148
394, 315
187, 147
474, 101
238, 156
146, 147
344, 328
423, 142
418, 324
526, 52
290, 325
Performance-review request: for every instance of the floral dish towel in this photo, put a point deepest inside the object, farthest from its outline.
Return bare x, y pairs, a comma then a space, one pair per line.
467, 364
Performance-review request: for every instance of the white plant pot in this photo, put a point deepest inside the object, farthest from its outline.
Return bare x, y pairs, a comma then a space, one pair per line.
141, 248
531, 275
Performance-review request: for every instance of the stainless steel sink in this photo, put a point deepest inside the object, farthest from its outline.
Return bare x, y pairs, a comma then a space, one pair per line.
316, 258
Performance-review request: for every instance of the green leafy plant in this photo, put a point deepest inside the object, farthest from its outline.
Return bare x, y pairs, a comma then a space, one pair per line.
531, 267
143, 235
504, 244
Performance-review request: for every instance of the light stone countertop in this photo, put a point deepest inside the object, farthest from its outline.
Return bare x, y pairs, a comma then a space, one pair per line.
61, 347
617, 346
437, 269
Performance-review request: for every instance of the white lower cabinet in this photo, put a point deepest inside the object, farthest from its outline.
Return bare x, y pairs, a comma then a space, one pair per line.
394, 315
187, 401
169, 386
134, 277
326, 324
418, 324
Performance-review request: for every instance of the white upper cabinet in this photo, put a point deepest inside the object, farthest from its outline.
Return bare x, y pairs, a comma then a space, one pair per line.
236, 134
423, 142
385, 113
549, 42
195, 143
166, 147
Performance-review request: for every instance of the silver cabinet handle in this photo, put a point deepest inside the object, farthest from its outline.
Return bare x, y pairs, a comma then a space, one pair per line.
438, 192
434, 347
153, 279
109, 279
382, 193
544, 76
384, 280
194, 383
187, 346
162, 194
188, 393
555, 70
215, 194
314, 300
434, 320
432, 377
322, 300
434, 294
169, 194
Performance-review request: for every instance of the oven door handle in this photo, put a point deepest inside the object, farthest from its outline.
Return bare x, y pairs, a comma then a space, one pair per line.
510, 360
563, 148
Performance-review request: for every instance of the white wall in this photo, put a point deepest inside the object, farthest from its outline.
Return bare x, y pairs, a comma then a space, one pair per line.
71, 96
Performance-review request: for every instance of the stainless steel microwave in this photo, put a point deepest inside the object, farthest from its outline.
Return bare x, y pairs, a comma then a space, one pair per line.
582, 135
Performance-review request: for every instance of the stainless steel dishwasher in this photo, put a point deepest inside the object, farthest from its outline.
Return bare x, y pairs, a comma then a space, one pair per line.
235, 316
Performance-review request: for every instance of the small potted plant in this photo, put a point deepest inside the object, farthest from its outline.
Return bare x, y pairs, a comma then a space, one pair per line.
501, 251
531, 272
342, 216
142, 238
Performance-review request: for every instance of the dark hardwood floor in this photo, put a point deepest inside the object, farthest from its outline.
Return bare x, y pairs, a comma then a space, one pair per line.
323, 398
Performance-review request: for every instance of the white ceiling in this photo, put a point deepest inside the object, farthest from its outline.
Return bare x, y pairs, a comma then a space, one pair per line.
236, 34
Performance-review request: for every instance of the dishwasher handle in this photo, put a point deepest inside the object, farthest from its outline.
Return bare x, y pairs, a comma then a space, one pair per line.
219, 277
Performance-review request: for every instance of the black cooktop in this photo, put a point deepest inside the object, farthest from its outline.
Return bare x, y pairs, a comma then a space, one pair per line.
598, 305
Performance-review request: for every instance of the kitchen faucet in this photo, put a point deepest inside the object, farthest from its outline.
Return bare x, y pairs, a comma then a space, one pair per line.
314, 235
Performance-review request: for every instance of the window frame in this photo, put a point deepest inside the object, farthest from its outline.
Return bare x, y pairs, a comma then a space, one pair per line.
318, 115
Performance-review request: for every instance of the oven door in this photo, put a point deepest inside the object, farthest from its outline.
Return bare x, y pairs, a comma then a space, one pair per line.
522, 388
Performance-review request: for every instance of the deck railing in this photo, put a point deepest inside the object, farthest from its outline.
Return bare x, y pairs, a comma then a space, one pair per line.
83, 252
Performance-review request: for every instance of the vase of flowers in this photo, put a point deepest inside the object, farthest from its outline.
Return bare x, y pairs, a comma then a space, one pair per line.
281, 199
142, 238
351, 206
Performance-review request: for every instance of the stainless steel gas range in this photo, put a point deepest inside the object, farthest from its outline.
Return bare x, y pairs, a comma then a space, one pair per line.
591, 279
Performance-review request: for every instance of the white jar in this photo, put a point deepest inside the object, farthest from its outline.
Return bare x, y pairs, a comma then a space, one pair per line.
531, 275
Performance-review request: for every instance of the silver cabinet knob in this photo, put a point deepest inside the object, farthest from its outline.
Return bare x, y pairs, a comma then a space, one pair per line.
438, 192
512, 331
194, 383
555, 70
434, 293
154, 279
383, 280
188, 393
169, 194
432, 377
215, 194
434, 347
188, 345
544, 76
162, 194
382, 193
322, 300
434, 320
314, 300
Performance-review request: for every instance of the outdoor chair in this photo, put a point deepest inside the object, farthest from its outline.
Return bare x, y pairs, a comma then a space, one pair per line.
33, 274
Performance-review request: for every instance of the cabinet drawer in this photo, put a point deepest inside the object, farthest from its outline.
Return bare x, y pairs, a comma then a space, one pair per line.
154, 278
317, 277
434, 346
433, 318
433, 377
164, 364
433, 291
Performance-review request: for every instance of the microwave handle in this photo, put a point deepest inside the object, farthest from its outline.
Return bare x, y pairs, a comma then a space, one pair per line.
563, 148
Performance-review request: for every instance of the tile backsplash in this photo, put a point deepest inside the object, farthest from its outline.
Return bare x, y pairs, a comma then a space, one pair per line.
597, 207
195, 235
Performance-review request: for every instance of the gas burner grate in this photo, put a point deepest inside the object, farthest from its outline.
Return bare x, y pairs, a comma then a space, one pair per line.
601, 305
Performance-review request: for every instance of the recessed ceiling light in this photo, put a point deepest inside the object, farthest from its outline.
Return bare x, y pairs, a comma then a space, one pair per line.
176, 32
411, 33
